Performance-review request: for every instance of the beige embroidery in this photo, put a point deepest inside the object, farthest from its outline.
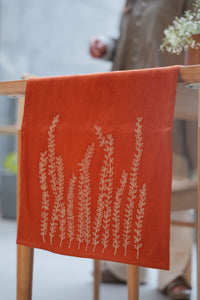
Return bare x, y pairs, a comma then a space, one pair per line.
62, 223
100, 203
64, 216
133, 185
52, 173
58, 204
56, 173
139, 222
105, 190
70, 209
58, 212
84, 198
45, 194
116, 211
99, 216
52, 154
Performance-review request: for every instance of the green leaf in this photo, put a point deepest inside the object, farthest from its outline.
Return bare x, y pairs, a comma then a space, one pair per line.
10, 162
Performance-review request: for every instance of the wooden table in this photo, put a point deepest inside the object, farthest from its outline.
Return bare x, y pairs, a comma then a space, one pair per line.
186, 107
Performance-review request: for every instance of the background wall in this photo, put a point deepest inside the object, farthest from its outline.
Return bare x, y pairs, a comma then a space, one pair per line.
47, 38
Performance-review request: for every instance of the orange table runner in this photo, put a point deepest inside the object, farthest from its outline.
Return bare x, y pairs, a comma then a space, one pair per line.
96, 165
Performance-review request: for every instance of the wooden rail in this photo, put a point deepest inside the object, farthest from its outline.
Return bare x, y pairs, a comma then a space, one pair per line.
10, 129
10, 88
187, 74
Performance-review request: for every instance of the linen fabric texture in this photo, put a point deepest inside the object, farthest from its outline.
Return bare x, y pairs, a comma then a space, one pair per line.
96, 165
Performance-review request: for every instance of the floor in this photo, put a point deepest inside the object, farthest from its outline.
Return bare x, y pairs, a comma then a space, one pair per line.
58, 277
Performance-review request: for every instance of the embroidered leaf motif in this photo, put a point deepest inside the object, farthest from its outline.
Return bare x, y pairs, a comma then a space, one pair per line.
105, 191
52, 153
140, 216
51, 173
132, 185
45, 195
70, 209
84, 203
116, 211
59, 198
56, 173
62, 223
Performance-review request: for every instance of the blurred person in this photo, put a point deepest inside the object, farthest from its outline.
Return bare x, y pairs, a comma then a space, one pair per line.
138, 46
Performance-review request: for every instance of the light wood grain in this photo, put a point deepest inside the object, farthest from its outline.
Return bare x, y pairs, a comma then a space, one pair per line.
198, 210
187, 74
10, 129
21, 102
184, 224
97, 278
24, 254
133, 282
186, 98
11, 88
24, 272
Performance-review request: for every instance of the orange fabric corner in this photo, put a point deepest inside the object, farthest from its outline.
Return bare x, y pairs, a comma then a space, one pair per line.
96, 165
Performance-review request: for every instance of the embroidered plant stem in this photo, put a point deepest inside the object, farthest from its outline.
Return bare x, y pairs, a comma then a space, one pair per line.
70, 209
53, 176
52, 154
108, 198
100, 202
62, 223
58, 205
99, 215
139, 222
132, 185
116, 211
84, 204
45, 195
105, 190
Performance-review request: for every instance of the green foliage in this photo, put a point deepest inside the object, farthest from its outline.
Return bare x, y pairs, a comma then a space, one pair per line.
178, 35
10, 162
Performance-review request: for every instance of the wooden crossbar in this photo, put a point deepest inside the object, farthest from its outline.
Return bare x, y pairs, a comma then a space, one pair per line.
11, 88
187, 74
10, 129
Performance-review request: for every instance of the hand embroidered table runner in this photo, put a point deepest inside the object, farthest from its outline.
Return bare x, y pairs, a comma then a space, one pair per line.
96, 165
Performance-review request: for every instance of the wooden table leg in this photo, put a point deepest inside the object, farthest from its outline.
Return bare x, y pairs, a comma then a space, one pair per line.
24, 254
97, 278
198, 209
133, 282
24, 272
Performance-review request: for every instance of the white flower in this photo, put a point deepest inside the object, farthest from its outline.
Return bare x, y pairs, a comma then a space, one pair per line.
177, 36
